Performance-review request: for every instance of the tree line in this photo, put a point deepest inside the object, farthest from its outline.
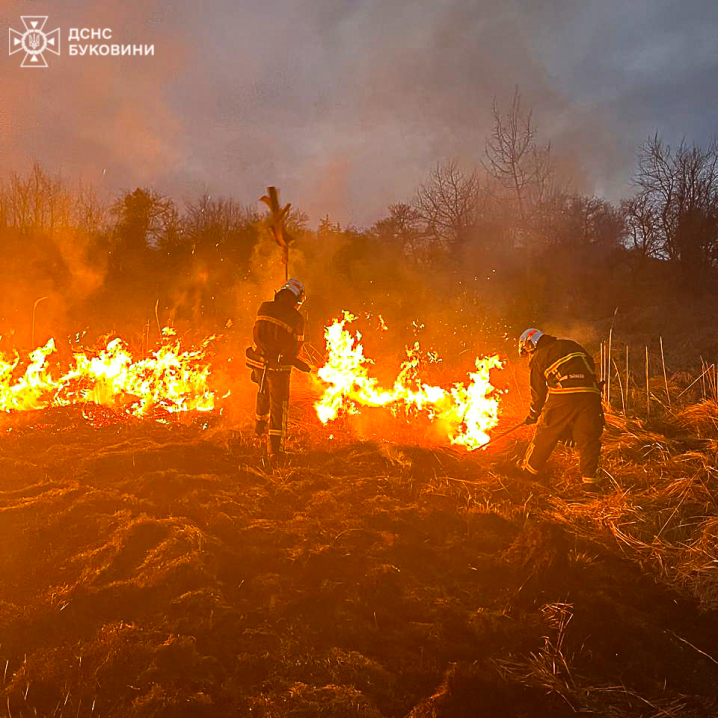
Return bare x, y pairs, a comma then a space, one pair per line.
508, 236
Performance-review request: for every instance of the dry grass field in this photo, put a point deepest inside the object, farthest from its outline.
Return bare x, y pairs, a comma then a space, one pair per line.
165, 570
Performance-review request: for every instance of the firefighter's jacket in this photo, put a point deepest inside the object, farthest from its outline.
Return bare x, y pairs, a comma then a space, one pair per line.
278, 338
560, 367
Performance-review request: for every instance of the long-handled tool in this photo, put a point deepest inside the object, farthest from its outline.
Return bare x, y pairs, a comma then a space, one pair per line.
263, 378
505, 433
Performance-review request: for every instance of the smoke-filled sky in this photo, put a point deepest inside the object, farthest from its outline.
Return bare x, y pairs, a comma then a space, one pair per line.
347, 104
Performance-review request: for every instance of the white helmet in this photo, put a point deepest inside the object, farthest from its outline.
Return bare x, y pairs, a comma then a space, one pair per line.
528, 341
296, 287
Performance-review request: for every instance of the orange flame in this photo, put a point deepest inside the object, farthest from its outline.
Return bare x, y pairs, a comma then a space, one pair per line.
466, 411
170, 379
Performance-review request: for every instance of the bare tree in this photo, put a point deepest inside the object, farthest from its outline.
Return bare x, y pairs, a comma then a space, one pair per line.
642, 226
402, 227
449, 203
36, 202
576, 220
89, 212
220, 230
18, 203
521, 167
678, 194
221, 215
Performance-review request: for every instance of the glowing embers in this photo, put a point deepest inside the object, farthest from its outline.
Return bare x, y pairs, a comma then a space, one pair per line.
464, 412
168, 380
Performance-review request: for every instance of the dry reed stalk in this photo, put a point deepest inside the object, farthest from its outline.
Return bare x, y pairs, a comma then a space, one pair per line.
688, 643
665, 378
702, 376
606, 371
145, 344
628, 376
34, 308
608, 364
620, 386
648, 388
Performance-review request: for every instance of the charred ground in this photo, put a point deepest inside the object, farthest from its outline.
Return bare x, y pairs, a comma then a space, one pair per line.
163, 570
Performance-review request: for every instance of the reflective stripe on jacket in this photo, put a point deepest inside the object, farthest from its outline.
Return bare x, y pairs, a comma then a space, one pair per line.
278, 337
558, 367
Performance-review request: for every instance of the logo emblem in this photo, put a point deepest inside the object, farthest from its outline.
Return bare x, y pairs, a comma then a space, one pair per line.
33, 42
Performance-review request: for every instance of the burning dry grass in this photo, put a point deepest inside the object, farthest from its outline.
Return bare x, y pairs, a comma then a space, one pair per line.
167, 380
153, 570
464, 412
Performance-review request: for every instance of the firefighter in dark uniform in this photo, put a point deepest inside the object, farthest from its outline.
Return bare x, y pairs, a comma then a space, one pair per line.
565, 403
278, 338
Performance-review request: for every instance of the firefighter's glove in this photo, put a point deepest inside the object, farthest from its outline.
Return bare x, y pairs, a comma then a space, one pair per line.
530, 419
301, 365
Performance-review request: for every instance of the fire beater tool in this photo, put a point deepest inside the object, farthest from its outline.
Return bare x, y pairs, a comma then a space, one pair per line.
505, 433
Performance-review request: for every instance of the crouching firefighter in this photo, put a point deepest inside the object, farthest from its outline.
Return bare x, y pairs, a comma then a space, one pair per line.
278, 338
565, 403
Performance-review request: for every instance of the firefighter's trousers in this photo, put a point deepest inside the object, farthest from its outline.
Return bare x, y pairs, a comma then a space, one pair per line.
273, 408
575, 416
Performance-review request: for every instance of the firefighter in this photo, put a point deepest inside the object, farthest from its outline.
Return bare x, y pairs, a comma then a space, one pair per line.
565, 403
278, 338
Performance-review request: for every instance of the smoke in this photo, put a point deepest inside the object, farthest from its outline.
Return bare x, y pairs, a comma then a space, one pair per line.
345, 104
104, 119
85, 277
